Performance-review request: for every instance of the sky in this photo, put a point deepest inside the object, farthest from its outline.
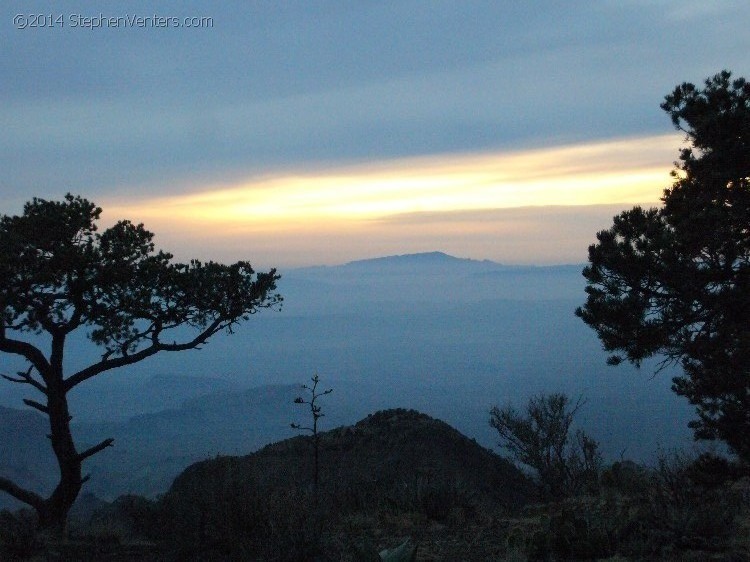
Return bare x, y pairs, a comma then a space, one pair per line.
318, 132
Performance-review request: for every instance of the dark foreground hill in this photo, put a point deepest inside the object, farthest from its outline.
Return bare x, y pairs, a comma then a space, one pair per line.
400, 474
387, 452
393, 461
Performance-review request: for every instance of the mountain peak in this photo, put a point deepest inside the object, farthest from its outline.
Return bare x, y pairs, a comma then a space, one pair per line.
421, 258
397, 445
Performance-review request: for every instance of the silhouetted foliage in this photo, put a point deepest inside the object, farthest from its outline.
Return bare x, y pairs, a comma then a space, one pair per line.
225, 516
18, 539
129, 517
659, 513
58, 274
566, 463
675, 280
399, 474
393, 465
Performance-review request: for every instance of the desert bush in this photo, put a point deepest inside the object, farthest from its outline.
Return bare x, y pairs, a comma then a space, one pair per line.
580, 529
435, 498
128, 517
566, 462
625, 478
682, 505
235, 521
685, 507
18, 537
228, 518
430, 496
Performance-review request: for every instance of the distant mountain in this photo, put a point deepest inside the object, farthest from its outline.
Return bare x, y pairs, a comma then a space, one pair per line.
25, 454
151, 449
420, 259
418, 279
117, 396
420, 264
125, 397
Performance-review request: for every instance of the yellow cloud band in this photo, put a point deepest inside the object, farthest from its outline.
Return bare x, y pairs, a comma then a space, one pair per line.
534, 206
622, 171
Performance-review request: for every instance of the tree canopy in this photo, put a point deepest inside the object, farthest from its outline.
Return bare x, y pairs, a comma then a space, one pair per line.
59, 274
674, 281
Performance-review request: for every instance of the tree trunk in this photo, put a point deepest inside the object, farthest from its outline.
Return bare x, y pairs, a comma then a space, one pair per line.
53, 513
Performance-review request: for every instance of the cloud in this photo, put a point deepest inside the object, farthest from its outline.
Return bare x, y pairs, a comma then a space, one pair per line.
683, 11
526, 235
623, 170
273, 87
448, 201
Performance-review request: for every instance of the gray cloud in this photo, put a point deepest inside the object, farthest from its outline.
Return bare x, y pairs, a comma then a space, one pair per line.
280, 85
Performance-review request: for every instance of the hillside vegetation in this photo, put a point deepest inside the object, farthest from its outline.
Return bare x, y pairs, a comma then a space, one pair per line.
376, 475
400, 477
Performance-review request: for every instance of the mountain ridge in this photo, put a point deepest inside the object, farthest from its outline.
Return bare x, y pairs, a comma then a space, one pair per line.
431, 258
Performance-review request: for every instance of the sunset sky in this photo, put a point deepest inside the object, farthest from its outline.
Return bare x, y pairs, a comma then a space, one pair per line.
319, 132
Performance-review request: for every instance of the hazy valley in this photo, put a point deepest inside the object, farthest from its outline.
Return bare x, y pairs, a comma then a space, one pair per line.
446, 336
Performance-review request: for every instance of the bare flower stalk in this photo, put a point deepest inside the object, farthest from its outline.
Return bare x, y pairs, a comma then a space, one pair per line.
316, 412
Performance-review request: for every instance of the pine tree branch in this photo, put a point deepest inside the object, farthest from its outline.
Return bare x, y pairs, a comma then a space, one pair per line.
29, 352
155, 347
26, 378
25, 496
36, 405
95, 449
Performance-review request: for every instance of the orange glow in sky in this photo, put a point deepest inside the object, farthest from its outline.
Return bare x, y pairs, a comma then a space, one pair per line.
367, 200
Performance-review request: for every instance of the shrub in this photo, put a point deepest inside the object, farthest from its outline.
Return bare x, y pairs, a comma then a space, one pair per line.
566, 462
227, 519
18, 536
683, 507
